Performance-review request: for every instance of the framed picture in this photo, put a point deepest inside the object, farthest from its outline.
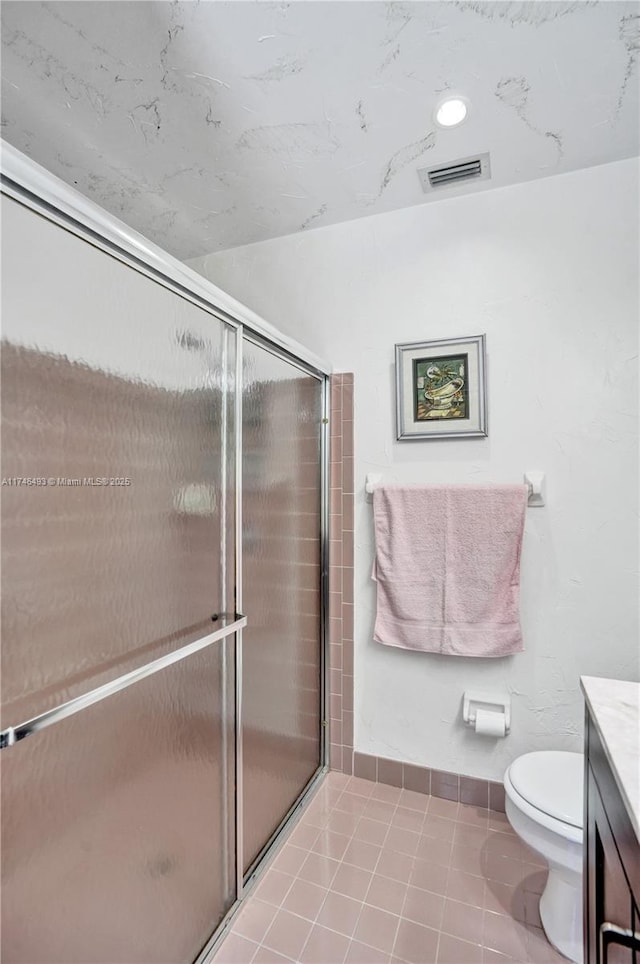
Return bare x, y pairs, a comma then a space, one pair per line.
441, 389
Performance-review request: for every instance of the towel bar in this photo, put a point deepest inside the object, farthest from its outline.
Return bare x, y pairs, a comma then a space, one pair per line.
535, 482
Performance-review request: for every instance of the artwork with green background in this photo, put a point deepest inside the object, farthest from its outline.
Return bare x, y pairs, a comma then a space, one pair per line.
440, 387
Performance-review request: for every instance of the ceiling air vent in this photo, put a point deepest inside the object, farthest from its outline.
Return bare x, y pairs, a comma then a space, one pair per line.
468, 169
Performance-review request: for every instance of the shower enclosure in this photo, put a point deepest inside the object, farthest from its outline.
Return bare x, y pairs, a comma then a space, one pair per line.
163, 585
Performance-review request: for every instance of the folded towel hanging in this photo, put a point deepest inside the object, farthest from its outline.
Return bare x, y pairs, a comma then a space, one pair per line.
447, 567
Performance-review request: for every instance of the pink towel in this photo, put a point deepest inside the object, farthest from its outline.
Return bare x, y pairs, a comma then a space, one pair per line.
447, 567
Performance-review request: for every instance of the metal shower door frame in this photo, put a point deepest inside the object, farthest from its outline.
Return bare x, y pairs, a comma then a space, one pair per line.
245, 881
37, 189
286, 356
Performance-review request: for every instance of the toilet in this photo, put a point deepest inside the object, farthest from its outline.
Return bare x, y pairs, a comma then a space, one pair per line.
544, 805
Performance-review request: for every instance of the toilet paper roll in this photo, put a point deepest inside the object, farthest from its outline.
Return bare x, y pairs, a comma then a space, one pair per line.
490, 723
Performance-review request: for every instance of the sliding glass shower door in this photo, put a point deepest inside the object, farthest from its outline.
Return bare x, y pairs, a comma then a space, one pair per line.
150, 751
281, 589
118, 535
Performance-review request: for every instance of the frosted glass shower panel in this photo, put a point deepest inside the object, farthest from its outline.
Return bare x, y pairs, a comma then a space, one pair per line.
282, 421
116, 396
118, 824
118, 401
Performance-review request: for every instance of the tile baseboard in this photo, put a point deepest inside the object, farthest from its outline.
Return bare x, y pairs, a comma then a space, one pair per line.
457, 787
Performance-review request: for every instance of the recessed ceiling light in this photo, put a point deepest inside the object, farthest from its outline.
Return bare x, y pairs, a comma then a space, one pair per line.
451, 112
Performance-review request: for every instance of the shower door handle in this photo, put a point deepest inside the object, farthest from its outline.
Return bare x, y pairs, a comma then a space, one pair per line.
13, 734
612, 934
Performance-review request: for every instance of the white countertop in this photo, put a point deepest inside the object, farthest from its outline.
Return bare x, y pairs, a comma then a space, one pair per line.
615, 709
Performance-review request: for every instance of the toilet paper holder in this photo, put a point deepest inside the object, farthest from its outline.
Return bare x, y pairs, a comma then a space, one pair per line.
493, 702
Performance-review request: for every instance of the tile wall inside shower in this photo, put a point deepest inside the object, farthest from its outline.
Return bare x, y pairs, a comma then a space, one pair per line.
341, 575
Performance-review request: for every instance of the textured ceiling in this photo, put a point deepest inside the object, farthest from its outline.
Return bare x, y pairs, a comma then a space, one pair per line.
206, 125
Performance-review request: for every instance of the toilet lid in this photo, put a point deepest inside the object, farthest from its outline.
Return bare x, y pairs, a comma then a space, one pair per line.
551, 781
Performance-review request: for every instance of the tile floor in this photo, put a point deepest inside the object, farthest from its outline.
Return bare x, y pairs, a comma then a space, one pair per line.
373, 874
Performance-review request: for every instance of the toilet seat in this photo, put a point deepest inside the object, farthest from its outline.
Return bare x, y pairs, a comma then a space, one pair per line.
551, 781
547, 787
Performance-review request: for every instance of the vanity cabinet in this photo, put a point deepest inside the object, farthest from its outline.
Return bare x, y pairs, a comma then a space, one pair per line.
612, 864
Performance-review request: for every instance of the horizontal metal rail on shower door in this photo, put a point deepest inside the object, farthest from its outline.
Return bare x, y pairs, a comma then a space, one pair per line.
13, 734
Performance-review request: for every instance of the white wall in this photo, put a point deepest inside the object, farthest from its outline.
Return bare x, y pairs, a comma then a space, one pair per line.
548, 270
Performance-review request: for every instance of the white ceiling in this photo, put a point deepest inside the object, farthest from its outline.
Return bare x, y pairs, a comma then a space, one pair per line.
211, 124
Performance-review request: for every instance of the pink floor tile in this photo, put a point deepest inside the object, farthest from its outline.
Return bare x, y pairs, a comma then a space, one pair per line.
415, 801
505, 935
540, 951
340, 913
352, 881
357, 785
439, 827
470, 861
473, 815
387, 894
324, 946
305, 899
304, 836
375, 874
371, 831
379, 810
351, 803
503, 869
434, 850
428, 876
317, 816
318, 869
462, 920
362, 854
396, 866
402, 841
274, 886
407, 819
333, 793
454, 951
499, 821
387, 794
342, 822
443, 808
476, 838
527, 908
290, 859
327, 795
415, 944
287, 934
499, 898
423, 907
255, 920
335, 779
324, 801
331, 844
236, 950
504, 845
377, 928
264, 955
362, 954
466, 887
494, 957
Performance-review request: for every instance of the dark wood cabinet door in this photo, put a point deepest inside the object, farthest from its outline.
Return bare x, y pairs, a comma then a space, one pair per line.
612, 921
